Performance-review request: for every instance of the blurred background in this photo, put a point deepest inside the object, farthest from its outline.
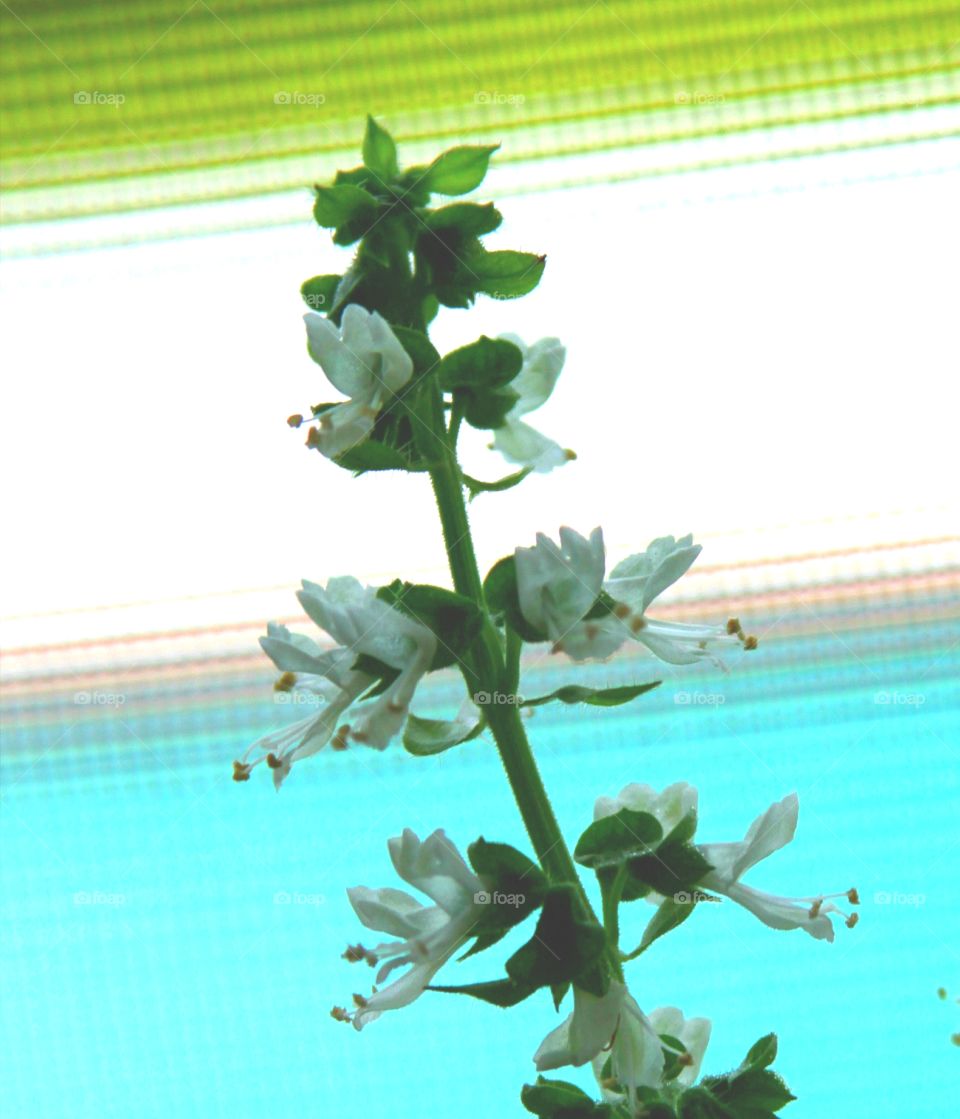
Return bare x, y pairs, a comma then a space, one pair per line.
750, 217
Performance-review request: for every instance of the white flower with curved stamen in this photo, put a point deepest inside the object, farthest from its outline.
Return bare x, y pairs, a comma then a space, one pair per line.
361, 623
365, 361
770, 831
608, 1028
517, 441
559, 586
429, 935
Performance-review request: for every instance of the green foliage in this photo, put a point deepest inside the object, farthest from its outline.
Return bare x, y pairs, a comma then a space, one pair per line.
459, 170
454, 619
595, 697
500, 591
318, 293
425, 737
517, 887
476, 486
613, 840
556, 1099
752, 1091
379, 151
566, 947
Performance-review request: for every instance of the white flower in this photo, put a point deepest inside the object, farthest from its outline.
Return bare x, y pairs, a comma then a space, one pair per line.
674, 804
359, 622
770, 831
366, 362
559, 586
609, 1027
694, 1035
517, 441
429, 934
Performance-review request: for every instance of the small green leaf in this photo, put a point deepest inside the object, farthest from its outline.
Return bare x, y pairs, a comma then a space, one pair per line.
596, 697
459, 170
500, 992
318, 292
762, 1053
467, 218
476, 486
506, 274
487, 408
566, 946
676, 868
485, 364
500, 591
670, 915
455, 619
371, 455
379, 151
425, 737
335, 205
556, 1099
516, 886
612, 840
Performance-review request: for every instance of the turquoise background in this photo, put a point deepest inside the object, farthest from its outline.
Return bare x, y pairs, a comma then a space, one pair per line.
184, 987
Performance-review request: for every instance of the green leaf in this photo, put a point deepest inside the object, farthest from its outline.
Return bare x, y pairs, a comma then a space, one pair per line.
318, 292
749, 1092
458, 170
614, 839
379, 151
505, 274
425, 737
334, 205
516, 886
566, 946
487, 408
500, 992
556, 1099
484, 364
500, 592
371, 455
476, 486
699, 1103
596, 697
422, 352
467, 218
762, 1053
455, 619
676, 868
670, 915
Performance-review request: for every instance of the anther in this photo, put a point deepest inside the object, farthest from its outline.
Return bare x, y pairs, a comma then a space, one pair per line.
750, 643
852, 920
340, 739
621, 610
734, 627
359, 1002
285, 683
241, 771
853, 897
340, 1014
295, 420
273, 761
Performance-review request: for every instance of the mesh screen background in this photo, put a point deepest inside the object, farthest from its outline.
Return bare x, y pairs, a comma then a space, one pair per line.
172, 941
